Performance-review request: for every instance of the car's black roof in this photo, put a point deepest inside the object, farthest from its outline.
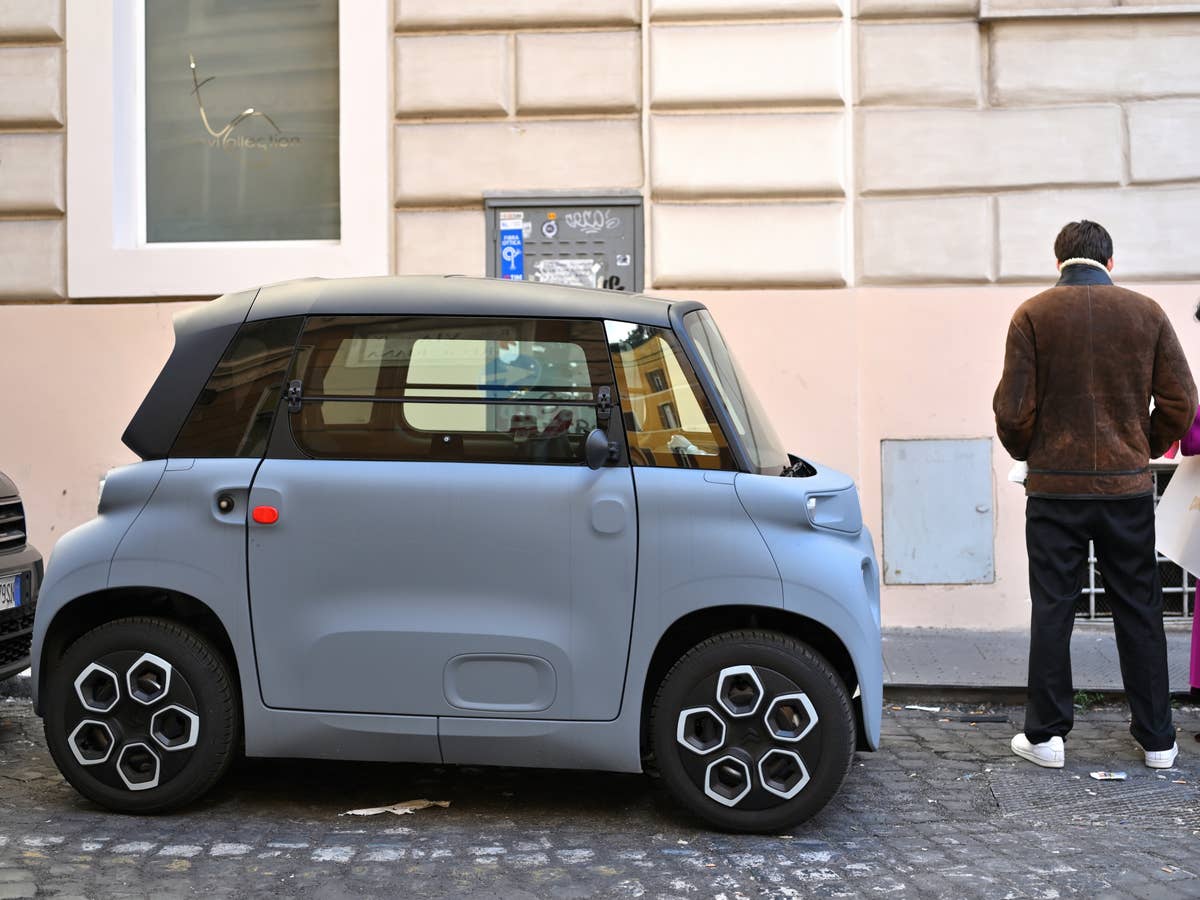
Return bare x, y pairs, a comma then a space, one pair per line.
203, 333
453, 296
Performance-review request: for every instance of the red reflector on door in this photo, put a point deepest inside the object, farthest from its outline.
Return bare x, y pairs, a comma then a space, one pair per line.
265, 515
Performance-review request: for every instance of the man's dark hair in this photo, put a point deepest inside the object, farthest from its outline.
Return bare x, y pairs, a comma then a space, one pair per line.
1083, 240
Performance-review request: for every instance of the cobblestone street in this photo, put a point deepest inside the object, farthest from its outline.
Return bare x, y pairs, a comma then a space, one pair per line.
943, 811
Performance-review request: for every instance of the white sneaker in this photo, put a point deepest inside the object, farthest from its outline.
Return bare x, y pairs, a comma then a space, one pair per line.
1049, 753
1162, 759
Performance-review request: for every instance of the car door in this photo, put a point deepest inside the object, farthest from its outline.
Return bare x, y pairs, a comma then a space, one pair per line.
438, 546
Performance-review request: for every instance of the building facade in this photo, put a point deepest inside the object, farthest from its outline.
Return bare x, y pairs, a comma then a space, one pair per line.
862, 195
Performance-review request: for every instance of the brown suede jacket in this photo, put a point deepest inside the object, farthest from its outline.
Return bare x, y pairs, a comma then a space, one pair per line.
1081, 364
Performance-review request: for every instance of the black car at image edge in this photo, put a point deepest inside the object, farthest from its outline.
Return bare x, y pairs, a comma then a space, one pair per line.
20, 578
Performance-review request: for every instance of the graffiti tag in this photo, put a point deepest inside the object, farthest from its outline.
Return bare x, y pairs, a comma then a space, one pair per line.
591, 221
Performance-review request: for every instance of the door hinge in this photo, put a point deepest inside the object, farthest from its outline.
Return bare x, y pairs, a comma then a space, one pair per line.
295, 393
604, 404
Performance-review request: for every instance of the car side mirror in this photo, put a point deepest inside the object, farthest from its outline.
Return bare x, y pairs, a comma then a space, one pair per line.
597, 449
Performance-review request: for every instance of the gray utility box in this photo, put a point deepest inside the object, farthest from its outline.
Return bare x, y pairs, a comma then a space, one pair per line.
938, 524
583, 241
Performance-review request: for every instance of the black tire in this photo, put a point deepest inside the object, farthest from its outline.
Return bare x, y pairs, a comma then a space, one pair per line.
781, 665
199, 682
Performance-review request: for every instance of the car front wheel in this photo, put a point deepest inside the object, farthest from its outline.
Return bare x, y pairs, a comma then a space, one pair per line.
753, 731
141, 715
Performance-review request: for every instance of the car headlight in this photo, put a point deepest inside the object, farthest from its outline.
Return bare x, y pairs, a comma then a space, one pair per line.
835, 511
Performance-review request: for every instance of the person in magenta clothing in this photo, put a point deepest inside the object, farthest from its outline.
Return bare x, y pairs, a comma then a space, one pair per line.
1189, 445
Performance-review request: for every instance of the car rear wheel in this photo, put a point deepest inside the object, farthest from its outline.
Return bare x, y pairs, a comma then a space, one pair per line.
753, 731
141, 715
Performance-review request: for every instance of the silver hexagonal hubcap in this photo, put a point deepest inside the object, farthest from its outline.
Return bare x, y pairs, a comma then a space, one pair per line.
138, 725
782, 772
700, 729
149, 679
91, 742
98, 688
752, 748
727, 780
175, 728
138, 766
790, 717
739, 691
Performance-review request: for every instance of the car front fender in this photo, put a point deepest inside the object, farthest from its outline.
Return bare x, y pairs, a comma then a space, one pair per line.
82, 558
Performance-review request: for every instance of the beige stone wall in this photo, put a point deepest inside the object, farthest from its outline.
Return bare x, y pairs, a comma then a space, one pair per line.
32, 114
747, 149
985, 129
535, 95
727, 116
792, 143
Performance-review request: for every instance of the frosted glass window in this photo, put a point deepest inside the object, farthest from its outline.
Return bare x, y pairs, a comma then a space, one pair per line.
242, 134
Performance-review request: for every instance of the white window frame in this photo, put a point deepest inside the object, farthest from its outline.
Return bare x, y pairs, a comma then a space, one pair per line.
107, 255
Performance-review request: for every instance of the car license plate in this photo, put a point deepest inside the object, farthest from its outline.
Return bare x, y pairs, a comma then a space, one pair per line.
10, 592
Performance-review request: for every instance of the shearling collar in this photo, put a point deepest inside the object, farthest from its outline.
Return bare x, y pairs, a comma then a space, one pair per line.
1081, 274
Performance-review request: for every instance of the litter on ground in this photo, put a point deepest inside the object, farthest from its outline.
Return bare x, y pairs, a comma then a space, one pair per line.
396, 809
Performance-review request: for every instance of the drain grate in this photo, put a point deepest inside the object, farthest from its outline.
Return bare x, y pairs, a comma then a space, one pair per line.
1141, 801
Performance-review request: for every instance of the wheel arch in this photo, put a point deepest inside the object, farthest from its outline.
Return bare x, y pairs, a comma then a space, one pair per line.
87, 611
698, 625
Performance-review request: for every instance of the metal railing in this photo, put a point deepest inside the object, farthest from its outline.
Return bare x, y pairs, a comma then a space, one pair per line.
1178, 586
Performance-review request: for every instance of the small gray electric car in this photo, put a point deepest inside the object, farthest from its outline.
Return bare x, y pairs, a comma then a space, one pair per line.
452, 520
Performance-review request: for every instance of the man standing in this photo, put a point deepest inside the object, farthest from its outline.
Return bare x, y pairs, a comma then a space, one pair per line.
1082, 362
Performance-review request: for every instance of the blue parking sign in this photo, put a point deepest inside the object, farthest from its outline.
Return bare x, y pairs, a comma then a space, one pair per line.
512, 252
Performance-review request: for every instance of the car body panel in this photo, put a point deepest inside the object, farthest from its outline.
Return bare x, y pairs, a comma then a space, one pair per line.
83, 556
828, 575
443, 588
182, 542
699, 548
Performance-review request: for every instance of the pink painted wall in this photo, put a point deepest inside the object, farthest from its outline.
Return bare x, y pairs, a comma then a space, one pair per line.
81, 372
838, 370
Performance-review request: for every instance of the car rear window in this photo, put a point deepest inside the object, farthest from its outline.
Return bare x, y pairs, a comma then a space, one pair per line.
232, 416
457, 389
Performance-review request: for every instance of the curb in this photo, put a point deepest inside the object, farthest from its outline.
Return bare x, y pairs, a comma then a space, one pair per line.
1007, 695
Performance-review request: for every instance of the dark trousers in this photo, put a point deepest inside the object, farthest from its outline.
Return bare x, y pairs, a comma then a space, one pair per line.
1056, 536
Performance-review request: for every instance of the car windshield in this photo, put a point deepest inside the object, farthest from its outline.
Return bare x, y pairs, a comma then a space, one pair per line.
753, 428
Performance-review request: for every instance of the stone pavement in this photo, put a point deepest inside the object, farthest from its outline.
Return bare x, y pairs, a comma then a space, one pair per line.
942, 811
947, 657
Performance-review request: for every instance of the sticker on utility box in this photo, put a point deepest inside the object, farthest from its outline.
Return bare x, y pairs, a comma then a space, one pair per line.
571, 272
512, 246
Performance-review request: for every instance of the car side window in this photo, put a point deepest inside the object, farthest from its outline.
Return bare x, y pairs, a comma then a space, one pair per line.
232, 416
455, 389
668, 419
